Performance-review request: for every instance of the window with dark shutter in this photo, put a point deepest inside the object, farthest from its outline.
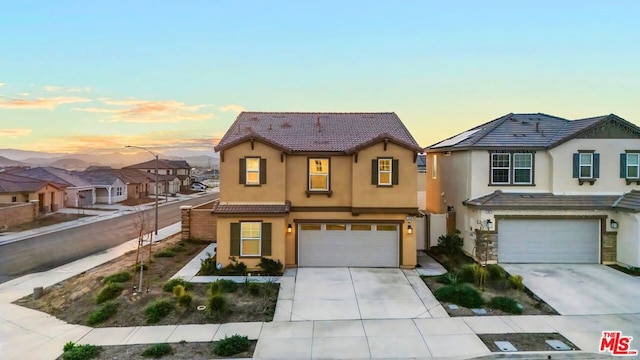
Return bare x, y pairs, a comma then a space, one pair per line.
266, 239
243, 171
263, 171
385, 172
234, 247
395, 174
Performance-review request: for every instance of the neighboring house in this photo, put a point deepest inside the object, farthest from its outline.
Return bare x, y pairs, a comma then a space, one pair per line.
78, 191
137, 181
317, 189
422, 186
179, 168
20, 189
547, 189
110, 188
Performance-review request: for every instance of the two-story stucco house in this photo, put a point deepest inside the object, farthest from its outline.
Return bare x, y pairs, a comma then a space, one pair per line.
178, 168
547, 189
317, 189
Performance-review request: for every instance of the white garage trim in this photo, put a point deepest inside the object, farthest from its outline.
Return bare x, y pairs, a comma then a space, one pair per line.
549, 241
348, 244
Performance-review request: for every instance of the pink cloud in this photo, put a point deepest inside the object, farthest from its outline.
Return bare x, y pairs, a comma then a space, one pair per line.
145, 111
232, 108
12, 133
53, 88
40, 103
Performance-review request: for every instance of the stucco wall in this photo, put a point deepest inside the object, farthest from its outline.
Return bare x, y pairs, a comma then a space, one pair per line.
340, 182
628, 251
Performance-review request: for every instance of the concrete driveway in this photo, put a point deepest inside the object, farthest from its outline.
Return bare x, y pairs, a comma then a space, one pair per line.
581, 289
361, 293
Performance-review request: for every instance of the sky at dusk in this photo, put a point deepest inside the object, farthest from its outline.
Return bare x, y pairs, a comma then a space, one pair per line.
94, 76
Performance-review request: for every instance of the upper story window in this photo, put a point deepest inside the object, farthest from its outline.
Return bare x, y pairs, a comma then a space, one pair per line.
512, 168
630, 166
586, 166
384, 171
318, 174
253, 171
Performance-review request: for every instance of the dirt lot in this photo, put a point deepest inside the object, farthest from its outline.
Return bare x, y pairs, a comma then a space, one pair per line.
525, 341
46, 220
74, 299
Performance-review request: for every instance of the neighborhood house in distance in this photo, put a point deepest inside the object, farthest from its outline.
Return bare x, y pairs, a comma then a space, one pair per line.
317, 189
537, 188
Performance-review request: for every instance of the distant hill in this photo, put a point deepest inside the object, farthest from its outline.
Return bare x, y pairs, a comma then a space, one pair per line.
70, 164
8, 162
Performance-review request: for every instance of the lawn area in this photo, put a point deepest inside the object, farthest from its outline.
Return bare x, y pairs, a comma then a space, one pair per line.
79, 300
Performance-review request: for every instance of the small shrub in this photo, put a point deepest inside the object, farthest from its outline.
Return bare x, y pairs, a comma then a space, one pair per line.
208, 265
496, 272
177, 248
235, 268
158, 350
463, 295
230, 346
254, 288
178, 291
103, 313
479, 275
185, 300
109, 291
68, 346
217, 305
467, 273
214, 288
516, 282
169, 285
451, 244
227, 286
270, 267
144, 267
448, 279
80, 352
118, 277
166, 253
505, 304
158, 310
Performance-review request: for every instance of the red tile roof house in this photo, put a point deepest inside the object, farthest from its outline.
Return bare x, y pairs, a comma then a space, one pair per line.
178, 168
317, 189
78, 192
551, 190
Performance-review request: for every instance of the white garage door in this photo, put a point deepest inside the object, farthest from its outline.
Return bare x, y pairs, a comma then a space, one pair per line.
548, 241
361, 245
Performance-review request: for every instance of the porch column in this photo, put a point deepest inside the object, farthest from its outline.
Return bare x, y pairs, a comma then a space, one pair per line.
109, 194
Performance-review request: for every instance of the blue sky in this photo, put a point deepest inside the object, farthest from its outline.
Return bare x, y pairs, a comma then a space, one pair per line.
83, 76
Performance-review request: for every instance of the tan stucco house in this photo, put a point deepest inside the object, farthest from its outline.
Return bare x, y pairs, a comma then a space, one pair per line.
317, 189
536, 188
173, 169
18, 190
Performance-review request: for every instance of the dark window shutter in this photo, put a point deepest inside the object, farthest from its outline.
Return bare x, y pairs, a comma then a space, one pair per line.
623, 166
596, 166
263, 171
243, 171
374, 172
266, 239
576, 166
395, 170
234, 249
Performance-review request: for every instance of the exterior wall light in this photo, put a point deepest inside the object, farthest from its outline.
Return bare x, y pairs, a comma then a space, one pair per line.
409, 229
289, 228
613, 224
489, 224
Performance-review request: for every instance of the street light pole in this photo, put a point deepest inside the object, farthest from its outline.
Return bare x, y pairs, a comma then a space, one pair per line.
157, 184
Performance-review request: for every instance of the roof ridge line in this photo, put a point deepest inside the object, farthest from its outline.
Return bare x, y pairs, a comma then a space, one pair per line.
498, 122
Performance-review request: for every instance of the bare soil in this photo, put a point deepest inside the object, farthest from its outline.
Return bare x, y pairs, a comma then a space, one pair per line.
74, 299
46, 220
525, 341
181, 351
139, 201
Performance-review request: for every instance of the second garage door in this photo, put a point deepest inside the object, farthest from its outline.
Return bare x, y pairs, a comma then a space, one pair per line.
358, 245
548, 241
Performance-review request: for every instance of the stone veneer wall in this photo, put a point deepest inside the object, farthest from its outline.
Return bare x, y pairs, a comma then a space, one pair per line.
198, 222
482, 237
609, 247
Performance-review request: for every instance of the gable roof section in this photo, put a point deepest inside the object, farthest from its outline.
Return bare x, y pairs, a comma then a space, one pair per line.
526, 131
55, 175
162, 164
318, 132
98, 177
14, 183
629, 202
540, 201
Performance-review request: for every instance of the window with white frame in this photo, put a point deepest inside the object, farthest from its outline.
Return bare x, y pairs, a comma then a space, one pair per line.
253, 171
522, 168
500, 168
384, 171
250, 238
633, 165
586, 166
318, 174
119, 191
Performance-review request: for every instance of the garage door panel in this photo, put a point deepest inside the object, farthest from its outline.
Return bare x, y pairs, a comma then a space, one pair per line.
548, 241
355, 248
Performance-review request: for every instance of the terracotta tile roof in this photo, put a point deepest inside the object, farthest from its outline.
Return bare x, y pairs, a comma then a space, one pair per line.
226, 208
54, 175
14, 184
528, 131
629, 202
318, 132
538, 201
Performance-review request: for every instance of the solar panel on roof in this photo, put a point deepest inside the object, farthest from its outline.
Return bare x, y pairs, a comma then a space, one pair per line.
457, 139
